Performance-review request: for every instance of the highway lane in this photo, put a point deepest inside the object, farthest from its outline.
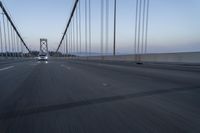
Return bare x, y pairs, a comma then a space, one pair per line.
98, 97
12, 75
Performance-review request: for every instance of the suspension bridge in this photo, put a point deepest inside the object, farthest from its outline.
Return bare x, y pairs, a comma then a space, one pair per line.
80, 90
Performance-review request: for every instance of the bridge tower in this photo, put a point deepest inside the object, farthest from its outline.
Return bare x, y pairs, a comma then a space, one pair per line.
43, 46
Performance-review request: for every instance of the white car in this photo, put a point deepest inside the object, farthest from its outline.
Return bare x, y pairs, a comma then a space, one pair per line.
43, 57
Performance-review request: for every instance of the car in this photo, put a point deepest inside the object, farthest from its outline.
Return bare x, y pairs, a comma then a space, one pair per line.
43, 57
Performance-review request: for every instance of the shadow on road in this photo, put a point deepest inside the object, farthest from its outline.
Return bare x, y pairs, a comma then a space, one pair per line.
49, 108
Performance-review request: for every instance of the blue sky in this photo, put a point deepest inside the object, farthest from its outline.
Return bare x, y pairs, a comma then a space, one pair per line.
174, 25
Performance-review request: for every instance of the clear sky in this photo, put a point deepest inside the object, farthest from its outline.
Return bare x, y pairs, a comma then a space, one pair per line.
174, 25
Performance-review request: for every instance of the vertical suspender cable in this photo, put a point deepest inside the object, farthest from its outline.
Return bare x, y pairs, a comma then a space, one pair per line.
107, 25
80, 39
115, 16
5, 36
102, 26
147, 21
62, 50
90, 28
66, 36
74, 32
86, 47
12, 43
139, 29
74, 46
13, 36
17, 43
136, 27
77, 46
64, 47
143, 25
71, 37
70, 48
8, 29
15, 47
22, 49
1, 40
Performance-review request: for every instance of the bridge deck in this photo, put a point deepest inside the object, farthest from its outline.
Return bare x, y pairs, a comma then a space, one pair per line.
75, 96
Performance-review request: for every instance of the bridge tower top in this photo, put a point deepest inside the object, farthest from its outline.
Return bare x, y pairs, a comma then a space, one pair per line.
43, 46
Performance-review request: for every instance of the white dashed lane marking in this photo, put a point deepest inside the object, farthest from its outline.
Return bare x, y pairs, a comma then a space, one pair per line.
66, 67
6, 68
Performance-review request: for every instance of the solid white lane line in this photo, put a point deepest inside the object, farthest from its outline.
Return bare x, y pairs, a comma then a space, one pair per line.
6, 68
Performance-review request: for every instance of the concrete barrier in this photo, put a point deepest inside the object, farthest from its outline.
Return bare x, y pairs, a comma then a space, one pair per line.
181, 58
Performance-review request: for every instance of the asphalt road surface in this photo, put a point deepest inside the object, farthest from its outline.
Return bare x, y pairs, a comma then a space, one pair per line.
61, 96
